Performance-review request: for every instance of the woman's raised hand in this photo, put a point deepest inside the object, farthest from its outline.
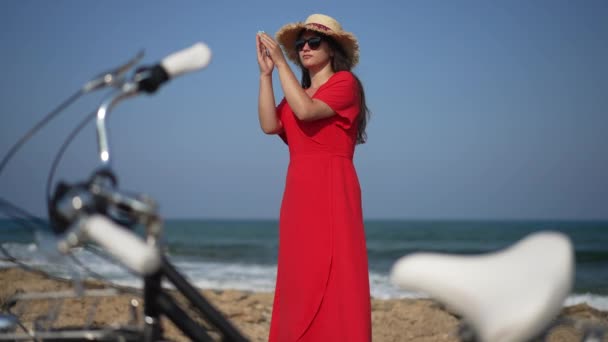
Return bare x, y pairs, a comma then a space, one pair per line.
269, 52
264, 60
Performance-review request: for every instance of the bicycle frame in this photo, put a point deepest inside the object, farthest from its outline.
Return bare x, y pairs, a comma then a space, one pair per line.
157, 302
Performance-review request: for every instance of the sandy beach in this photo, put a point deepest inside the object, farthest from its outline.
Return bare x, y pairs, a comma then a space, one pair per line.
392, 320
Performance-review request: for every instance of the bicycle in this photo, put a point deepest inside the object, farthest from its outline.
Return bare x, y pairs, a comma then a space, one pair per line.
508, 295
97, 211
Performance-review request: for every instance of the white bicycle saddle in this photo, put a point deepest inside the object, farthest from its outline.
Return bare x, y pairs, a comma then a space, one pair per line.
509, 295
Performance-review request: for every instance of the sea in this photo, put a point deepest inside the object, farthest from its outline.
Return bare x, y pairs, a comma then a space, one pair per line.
242, 254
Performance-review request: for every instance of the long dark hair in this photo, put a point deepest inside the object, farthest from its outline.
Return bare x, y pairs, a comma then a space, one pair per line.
340, 62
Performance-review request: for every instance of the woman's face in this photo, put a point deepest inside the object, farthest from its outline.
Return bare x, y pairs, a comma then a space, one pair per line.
313, 50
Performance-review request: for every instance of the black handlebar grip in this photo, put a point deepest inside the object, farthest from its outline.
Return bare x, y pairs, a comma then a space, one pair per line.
149, 79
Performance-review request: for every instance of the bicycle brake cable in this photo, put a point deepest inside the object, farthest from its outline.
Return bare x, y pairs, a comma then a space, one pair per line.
45, 120
22, 212
60, 153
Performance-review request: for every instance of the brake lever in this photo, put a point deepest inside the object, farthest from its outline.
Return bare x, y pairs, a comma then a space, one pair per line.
112, 77
136, 207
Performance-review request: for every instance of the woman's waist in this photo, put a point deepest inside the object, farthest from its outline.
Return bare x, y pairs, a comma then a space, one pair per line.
294, 155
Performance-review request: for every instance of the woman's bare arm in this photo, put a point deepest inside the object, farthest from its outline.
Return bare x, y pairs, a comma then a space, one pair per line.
269, 122
304, 107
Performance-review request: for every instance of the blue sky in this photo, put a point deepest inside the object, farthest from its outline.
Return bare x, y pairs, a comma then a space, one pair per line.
481, 110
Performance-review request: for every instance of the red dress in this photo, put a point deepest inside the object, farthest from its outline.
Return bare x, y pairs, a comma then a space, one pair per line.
322, 290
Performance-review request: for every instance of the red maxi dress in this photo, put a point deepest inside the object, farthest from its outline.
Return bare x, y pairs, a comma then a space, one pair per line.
322, 289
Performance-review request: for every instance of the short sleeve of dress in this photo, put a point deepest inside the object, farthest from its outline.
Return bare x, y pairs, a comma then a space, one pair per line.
341, 93
279, 112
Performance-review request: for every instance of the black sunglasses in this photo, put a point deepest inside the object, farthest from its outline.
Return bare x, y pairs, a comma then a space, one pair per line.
313, 43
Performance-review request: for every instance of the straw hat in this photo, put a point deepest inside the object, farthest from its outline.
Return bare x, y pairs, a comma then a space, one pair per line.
321, 23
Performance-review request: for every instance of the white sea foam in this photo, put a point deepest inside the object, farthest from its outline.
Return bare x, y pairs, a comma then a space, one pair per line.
596, 301
216, 275
382, 288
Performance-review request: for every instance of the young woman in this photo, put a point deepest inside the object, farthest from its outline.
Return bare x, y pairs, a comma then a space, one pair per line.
322, 289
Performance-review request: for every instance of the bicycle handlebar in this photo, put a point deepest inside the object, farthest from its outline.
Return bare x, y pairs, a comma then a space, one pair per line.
148, 79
